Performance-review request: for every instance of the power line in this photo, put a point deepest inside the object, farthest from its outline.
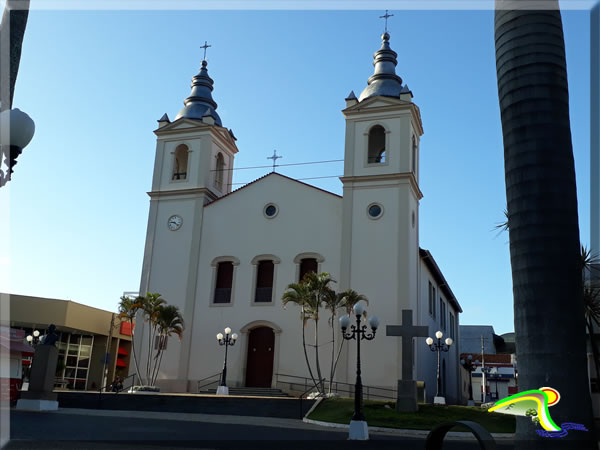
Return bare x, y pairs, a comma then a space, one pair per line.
300, 179
277, 165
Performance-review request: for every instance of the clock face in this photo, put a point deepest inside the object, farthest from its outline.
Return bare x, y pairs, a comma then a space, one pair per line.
174, 222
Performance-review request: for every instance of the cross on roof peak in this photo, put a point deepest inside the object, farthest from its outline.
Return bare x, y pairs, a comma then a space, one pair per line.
275, 157
386, 16
205, 46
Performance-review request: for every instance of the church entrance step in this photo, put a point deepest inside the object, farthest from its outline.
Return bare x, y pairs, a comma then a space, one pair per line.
251, 392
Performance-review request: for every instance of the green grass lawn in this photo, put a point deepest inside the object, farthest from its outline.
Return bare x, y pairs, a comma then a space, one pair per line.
428, 416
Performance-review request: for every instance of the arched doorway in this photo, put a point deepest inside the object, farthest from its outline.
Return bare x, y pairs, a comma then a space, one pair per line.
259, 364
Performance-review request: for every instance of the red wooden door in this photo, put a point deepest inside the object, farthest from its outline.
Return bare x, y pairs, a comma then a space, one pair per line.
259, 366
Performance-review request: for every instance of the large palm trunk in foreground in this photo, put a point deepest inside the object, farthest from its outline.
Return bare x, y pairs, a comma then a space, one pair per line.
542, 218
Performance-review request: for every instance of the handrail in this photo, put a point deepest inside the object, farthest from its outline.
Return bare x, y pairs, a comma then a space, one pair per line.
104, 388
367, 389
206, 384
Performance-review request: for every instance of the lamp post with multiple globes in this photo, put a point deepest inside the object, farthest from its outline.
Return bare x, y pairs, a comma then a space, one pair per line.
358, 332
34, 338
227, 340
438, 347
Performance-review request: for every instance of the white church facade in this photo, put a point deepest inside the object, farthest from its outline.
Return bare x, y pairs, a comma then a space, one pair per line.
226, 257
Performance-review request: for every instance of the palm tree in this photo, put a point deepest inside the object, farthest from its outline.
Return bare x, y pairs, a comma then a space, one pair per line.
150, 305
299, 294
333, 302
128, 308
319, 290
169, 321
542, 215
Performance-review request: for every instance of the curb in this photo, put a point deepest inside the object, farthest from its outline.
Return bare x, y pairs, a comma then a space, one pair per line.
453, 435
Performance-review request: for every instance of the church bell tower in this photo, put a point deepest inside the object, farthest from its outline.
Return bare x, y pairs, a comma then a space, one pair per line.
380, 232
192, 167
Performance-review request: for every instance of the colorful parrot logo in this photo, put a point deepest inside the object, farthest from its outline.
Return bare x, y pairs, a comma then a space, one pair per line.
535, 404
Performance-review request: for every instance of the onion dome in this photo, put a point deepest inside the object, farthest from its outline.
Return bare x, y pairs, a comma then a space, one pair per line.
200, 102
384, 80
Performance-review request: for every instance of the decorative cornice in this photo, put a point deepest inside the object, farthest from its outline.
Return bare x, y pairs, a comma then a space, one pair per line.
215, 262
220, 132
186, 192
405, 176
360, 108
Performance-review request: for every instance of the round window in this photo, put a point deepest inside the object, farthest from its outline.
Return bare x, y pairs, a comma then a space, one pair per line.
375, 211
270, 210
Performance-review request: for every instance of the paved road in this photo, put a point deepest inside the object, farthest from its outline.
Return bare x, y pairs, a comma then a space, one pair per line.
81, 430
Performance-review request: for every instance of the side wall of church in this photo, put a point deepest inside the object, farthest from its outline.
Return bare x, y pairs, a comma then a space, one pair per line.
427, 363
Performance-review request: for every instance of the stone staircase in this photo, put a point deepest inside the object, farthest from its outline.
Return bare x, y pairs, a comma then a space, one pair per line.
250, 392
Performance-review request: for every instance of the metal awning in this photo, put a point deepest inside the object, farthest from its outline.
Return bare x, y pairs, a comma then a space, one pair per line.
16, 346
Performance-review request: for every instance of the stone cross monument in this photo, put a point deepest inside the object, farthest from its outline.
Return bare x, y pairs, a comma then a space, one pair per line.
407, 387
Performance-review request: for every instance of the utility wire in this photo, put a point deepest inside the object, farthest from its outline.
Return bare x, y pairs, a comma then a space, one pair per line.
277, 165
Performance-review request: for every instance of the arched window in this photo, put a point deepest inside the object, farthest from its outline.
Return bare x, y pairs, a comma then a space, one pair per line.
414, 155
376, 145
220, 172
308, 265
181, 163
224, 282
264, 281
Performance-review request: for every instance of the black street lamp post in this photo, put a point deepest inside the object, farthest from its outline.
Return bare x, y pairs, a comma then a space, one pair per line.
358, 332
227, 340
439, 347
470, 366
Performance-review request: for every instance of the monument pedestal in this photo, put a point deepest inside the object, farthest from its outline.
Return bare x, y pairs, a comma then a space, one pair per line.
359, 431
222, 390
406, 400
39, 395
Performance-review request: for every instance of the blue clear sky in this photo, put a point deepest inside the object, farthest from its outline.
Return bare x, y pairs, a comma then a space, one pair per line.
95, 82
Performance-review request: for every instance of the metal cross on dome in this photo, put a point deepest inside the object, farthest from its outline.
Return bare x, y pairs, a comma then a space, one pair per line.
274, 158
205, 46
386, 16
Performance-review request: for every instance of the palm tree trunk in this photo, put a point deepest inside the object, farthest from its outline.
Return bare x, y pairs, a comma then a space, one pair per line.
332, 371
337, 358
317, 363
137, 367
543, 221
306, 353
159, 353
149, 360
